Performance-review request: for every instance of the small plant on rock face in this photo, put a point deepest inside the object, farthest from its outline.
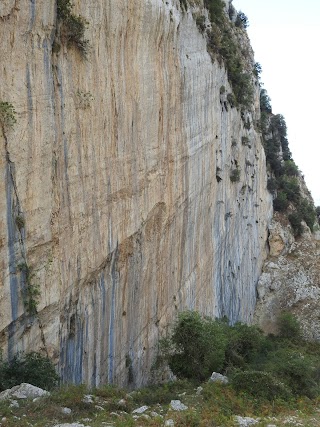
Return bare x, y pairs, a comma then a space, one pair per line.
295, 220
20, 223
84, 99
7, 115
183, 4
31, 291
245, 140
232, 100
73, 26
281, 202
235, 175
201, 23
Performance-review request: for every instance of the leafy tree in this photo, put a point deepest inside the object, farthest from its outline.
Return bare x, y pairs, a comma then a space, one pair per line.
244, 343
265, 102
290, 186
280, 203
216, 9
198, 346
257, 70
242, 20
295, 369
260, 384
272, 185
290, 168
30, 368
289, 326
307, 212
295, 220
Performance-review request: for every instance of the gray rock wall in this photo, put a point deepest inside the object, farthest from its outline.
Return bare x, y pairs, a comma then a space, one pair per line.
112, 165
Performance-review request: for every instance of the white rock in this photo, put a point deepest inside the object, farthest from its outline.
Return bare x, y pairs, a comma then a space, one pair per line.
14, 404
87, 398
70, 425
169, 423
23, 391
199, 390
140, 410
245, 421
218, 378
66, 411
177, 405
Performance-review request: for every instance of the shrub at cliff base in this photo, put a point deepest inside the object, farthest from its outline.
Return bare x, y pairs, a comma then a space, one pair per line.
289, 327
268, 367
244, 345
260, 384
294, 368
32, 368
196, 347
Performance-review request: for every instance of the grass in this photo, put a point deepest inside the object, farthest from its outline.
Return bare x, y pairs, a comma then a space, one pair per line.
215, 406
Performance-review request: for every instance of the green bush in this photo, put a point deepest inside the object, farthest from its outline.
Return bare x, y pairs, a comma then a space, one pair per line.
183, 4
32, 368
197, 346
201, 23
307, 212
290, 168
241, 20
260, 384
290, 186
295, 220
73, 26
244, 344
265, 102
235, 175
222, 41
7, 116
272, 185
245, 140
289, 326
280, 203
295, 369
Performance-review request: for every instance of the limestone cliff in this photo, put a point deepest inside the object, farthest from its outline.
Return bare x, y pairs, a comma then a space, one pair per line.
290, 280
116, 199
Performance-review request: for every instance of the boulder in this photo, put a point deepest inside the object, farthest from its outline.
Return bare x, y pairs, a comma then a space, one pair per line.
245, 421
218, 378
177, 405
23, 391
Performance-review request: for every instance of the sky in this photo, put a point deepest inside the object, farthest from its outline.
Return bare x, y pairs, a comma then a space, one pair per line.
285, 36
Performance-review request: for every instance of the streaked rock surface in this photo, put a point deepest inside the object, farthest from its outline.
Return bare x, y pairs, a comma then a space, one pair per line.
112, 165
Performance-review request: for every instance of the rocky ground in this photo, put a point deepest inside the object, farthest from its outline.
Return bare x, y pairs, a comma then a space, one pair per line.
290, 280
171, 405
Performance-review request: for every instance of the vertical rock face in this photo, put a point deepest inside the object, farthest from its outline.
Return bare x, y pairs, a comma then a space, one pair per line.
290, 280
116, 199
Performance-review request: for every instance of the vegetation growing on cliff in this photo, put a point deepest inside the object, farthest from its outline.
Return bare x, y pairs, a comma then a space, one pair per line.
223, 44
31, 289
284, 173
72, 27
7, 115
